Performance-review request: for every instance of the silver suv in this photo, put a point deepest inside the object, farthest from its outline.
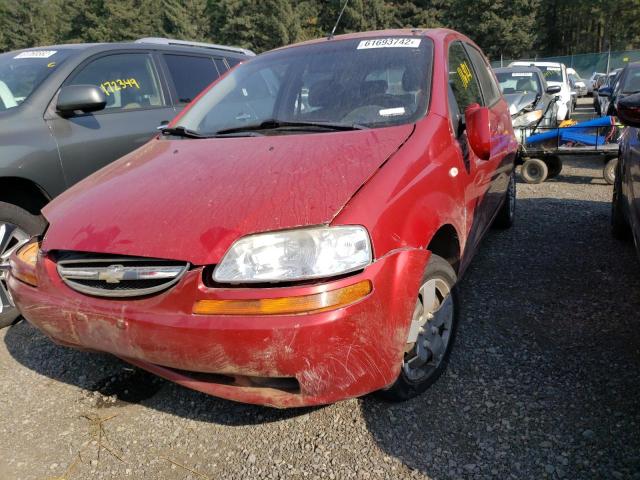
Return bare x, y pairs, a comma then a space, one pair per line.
68, 110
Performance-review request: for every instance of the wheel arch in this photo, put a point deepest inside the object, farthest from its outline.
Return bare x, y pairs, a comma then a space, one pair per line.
23, 193
445, 243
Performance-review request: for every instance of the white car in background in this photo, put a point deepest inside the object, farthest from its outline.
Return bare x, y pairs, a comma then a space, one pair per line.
578, 84
555, 74
593, 80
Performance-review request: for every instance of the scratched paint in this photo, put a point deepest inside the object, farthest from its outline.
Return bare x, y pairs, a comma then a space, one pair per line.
190, 199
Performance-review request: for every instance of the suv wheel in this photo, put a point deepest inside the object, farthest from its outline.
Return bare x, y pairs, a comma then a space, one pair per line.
619, 225
431, 334
17, 226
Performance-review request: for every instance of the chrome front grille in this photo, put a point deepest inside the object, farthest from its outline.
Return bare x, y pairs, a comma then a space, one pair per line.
113, 276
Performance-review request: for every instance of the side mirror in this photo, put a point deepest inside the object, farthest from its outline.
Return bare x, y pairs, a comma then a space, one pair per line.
628, 110
605, 91
478, 133
553, 89
85, 98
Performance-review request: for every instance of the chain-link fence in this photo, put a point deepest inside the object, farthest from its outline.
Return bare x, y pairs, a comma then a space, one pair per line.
586, 63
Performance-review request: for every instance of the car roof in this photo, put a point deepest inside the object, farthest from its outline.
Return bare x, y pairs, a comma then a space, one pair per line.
150, 43
433, 33
518, 68
535, 62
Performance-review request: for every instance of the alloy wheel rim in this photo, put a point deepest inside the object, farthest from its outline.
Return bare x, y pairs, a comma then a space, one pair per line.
430, 331
12, 238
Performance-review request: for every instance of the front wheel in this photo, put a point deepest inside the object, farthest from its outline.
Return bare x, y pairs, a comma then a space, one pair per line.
431, 333
16, 227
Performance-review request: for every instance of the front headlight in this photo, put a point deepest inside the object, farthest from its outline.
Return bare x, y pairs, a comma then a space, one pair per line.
23, 267
528, 118
292, 255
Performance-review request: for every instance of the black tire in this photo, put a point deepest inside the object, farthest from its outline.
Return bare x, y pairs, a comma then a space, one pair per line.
30, 225
405, 388
534, 171
620, 227
554, 165
507, 213
609, 171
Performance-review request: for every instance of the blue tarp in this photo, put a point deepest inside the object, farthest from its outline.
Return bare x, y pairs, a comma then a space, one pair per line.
578, 133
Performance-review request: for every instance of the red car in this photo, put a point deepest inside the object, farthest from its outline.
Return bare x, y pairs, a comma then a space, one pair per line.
294, 237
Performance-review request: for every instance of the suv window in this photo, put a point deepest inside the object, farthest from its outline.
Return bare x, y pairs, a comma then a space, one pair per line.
462, 78
129, 80
222, 67
490, 90
190, 74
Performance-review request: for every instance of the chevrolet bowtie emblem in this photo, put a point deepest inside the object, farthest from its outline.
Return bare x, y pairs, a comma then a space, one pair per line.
112, 274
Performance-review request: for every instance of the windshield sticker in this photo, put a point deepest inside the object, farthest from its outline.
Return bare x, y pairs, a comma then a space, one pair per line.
112, 86
389, 43
464, 72
51, 64
391, 112
522, 74
36, 54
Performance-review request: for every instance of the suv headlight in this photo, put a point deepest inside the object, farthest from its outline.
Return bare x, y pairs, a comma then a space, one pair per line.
292, 255
527, 119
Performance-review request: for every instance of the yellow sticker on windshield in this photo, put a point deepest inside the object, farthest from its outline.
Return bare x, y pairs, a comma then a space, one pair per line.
112, 86
464, 72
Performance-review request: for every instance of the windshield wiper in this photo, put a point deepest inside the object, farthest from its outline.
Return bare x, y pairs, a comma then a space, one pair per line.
277, 124
180, 131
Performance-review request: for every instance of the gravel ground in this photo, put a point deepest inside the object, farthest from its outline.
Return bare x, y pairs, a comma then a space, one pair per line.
543, 382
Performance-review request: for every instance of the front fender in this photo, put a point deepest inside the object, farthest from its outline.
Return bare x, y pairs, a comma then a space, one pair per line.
419, 189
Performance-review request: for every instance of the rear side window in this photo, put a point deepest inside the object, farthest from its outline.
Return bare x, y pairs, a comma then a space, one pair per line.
462, 78
233, 61
129, 80
222, 67
632, 81
190, 75
490, 90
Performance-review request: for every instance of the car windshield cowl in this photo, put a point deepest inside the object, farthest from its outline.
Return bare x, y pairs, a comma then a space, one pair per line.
274, 124
180, 131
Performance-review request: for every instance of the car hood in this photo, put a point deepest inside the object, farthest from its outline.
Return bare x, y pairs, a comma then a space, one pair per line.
189, 200
517, 101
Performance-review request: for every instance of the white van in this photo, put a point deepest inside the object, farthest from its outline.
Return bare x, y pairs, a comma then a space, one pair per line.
555, 74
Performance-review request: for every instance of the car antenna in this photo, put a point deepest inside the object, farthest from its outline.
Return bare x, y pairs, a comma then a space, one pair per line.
338, 21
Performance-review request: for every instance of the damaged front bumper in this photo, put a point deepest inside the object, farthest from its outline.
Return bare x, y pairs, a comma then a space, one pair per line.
275, 360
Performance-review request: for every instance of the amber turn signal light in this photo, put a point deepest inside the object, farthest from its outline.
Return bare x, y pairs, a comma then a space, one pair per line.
313, 303
25, 269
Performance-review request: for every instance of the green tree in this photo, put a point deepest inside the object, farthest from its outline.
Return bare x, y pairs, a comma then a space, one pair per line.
32, 23
186, 19
499, 27
256, 24
118, 20
417, 14
359, 15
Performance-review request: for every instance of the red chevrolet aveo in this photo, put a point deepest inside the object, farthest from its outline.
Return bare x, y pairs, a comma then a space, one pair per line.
294, 237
